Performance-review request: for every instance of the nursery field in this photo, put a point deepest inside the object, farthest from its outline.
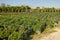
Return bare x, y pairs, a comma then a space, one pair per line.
20, 26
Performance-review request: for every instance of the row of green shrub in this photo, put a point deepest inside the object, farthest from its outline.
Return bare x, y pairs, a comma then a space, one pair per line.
23, 25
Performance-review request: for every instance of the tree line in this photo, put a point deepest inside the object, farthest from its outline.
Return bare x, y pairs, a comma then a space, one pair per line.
14, 9
23, 8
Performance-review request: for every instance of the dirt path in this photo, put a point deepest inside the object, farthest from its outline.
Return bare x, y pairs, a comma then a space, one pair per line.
52, 36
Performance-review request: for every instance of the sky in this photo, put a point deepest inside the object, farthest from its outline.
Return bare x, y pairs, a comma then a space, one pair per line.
33, 3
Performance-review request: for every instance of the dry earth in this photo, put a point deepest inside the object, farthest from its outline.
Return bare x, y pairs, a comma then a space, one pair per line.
52, 36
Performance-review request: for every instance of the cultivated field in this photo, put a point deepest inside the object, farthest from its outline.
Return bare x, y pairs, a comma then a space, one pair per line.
20, 26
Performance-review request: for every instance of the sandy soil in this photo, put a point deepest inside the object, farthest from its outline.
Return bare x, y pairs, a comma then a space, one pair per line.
52, 36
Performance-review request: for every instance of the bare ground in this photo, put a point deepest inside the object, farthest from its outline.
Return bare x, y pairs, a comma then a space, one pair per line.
51, 36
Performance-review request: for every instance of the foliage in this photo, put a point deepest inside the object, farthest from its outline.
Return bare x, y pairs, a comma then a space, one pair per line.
19, 26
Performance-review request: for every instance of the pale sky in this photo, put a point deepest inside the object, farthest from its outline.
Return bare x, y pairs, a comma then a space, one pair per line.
33, 3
